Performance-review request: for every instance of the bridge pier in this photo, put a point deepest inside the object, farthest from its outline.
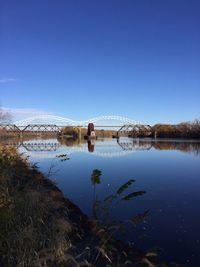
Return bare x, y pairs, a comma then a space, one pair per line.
90, 131
61, 135
21, 136
79, 134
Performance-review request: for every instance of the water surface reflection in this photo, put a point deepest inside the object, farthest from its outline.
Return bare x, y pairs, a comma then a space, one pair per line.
168, 170
103, 144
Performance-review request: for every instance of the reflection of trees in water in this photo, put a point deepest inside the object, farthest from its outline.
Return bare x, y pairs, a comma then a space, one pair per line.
182, 145
193, 147
71, 141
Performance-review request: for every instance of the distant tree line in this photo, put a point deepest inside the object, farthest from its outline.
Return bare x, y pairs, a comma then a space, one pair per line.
182, 130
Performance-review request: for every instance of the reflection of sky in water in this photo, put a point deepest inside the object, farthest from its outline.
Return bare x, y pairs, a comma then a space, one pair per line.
170, 178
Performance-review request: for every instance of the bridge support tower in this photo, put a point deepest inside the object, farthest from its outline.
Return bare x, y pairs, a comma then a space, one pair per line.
90, 131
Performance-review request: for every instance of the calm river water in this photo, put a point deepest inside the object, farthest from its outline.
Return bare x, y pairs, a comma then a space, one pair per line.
164, 214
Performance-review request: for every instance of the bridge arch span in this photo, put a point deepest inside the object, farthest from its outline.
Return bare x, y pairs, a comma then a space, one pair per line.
110, 117
71, 122
45, 117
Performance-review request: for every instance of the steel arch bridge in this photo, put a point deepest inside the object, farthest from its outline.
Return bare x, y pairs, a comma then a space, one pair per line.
71, 122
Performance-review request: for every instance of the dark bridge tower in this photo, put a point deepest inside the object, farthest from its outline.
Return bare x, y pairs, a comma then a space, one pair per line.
90, 131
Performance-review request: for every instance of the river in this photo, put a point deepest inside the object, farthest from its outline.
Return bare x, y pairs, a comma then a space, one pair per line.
158, 206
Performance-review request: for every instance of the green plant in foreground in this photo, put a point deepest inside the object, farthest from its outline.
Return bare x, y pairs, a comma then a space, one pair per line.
108, 226
114, 199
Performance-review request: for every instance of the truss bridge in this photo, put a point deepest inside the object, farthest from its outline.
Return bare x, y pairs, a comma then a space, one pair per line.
30, 128
51, 128
135, 130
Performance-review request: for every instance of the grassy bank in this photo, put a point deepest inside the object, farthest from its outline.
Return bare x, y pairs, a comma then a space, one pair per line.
37, 224
40, 227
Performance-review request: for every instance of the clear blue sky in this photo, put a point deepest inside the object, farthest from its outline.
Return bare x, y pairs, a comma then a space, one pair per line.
81, 58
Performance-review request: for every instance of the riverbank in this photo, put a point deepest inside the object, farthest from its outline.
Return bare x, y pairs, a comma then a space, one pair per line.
40, 227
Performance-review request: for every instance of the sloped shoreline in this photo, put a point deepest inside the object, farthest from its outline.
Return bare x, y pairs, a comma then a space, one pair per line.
41, 227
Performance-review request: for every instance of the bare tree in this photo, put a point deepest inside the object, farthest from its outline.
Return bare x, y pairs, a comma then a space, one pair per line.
5, 116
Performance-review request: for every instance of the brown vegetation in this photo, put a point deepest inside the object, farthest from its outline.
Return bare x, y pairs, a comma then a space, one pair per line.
70, 131
182, 130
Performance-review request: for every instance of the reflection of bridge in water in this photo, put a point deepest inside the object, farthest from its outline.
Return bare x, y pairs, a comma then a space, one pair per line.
131, 144
99, 148
121, 147
40, 147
